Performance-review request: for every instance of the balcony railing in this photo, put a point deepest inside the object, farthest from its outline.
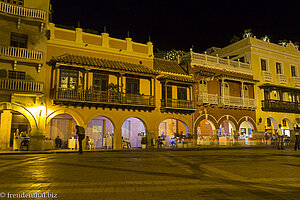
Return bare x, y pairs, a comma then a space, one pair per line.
111, 97
281, 79
21, 53
267, 76
22, 11
207, 99
21, 85
217, 62
177, 103
280, 106
295, 81
237, 102
138, 99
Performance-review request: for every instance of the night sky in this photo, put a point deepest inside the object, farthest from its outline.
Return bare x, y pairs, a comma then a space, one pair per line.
181, 24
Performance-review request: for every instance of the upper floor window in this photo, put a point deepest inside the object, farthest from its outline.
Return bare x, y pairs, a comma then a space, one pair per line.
225, 88
100, 82
246, 91
132, 85
16, 74
18, 40
293, 71
278, 68
203, 86
69, 79
182, 93
263, 64
169, 92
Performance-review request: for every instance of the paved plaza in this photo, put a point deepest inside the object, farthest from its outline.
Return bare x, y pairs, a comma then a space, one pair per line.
203, 174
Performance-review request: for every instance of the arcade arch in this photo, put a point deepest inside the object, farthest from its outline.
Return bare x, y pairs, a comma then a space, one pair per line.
132, 131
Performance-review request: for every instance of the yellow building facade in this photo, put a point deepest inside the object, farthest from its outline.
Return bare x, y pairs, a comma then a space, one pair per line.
276, 68
22, 59
114, 88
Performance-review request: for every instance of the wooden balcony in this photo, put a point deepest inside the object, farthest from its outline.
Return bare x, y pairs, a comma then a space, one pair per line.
21, 53
92, 98
15, 85
221, 63
280, 106
177, 105
237, 102
22, 11
206, 99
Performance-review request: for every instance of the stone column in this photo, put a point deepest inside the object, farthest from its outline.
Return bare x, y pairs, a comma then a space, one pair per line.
117, 140
5, 129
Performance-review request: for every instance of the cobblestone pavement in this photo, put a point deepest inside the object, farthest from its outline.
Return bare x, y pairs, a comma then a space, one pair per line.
206, 174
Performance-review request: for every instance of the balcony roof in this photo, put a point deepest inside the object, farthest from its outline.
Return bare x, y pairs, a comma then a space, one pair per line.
168, 66
177, 78
279, 87
101, 63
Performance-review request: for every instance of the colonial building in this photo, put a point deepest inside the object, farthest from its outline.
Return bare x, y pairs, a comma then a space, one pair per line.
22, 72
278, 90
225, 96
115, 89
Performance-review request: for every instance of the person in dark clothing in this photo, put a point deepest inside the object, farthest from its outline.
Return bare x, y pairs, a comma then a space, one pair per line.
58, 142
80, 132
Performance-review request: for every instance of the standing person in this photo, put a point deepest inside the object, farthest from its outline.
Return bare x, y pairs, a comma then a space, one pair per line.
80, 132
280, 137
297, 134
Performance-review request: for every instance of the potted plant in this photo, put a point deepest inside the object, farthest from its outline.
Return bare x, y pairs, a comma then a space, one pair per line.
178, 141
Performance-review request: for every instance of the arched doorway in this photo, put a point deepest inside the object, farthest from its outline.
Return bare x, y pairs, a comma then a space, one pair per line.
246, 130
63, 126
227, 128
270, 126
133, 129
101, 131
168, 128
205, 132
287, 126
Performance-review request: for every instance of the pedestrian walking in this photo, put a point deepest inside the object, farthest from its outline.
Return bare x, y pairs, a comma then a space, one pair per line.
80, 132
297, 134
280, 137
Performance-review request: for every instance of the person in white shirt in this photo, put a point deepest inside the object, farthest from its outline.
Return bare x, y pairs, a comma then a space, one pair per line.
297, 134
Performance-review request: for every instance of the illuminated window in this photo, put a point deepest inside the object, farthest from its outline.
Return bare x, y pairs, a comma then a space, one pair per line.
278, 68
68, 79
293, 71
263, 64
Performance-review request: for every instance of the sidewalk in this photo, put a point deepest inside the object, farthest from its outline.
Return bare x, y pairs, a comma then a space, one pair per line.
196, 148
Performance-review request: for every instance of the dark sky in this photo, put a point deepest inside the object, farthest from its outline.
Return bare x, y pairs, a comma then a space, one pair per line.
181, 24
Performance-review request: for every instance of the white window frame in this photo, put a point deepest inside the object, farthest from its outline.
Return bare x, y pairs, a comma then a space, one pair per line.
267, 64
296, 70
282, 67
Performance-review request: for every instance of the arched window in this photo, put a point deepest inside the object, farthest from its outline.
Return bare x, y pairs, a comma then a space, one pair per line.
225, 88
246, 91
203, 86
